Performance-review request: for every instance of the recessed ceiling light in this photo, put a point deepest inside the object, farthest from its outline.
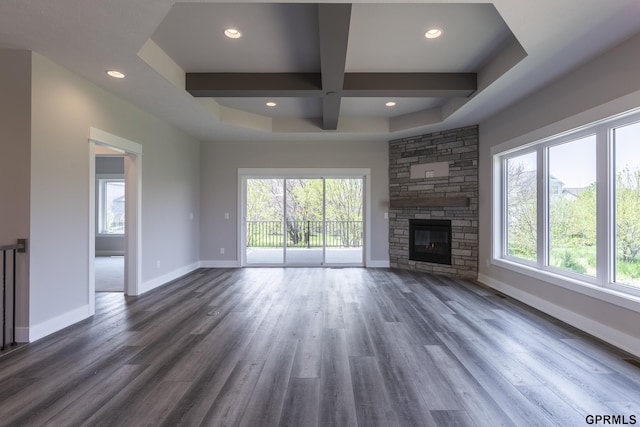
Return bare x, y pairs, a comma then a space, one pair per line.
232, 33
433, 33
271, 104
115, 74
390, 104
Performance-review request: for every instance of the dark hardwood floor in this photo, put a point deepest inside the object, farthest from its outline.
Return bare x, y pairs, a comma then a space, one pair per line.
306, 347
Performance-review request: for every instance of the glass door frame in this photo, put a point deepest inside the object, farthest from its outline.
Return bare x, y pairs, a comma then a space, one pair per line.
304, 173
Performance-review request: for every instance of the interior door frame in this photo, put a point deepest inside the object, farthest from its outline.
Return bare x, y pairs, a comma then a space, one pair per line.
132, 153
309, 173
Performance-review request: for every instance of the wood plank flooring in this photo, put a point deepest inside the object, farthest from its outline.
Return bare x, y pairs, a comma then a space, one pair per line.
326, 347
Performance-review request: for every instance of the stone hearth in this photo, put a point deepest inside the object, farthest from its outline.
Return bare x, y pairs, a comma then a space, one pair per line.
435, 176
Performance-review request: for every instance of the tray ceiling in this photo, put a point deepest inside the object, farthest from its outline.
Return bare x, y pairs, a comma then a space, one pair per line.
511, 49
324, 54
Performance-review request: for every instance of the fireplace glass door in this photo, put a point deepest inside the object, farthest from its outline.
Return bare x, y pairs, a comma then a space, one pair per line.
430, 241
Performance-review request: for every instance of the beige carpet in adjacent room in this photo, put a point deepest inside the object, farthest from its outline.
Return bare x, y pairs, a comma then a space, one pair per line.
109, 274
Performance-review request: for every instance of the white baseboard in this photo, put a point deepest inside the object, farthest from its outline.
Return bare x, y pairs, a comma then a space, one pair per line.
606, 333
378, 264
165, 278
236, 264
219, 264
50, 326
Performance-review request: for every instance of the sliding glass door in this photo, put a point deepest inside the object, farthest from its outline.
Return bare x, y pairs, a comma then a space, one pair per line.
343, 220
303, 221
264, 221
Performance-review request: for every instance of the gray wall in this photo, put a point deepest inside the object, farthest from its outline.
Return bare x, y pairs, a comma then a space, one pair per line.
64, 107
606, 86
219, 194
110, 165
113, 166
15, 149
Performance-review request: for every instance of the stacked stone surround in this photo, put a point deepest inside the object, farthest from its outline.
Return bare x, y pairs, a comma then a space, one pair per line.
458, 147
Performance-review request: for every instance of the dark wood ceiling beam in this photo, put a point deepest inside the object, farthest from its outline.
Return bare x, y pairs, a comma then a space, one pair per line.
334, 21
330, 111
254, 85
409, 84
249, 85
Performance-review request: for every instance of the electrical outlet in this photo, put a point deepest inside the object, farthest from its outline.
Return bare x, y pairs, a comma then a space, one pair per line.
158, 264
222, 251
226, 215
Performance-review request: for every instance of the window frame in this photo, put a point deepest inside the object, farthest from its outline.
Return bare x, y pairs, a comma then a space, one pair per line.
603, 283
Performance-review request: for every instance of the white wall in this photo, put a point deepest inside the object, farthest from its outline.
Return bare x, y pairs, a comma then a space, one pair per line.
64, 107
606, 86
15, 134
220, 162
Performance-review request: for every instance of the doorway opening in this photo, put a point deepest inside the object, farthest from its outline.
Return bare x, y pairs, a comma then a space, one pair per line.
303, 220
118, 196
110, 220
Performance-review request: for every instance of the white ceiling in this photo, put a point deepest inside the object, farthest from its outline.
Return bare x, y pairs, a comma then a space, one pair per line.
91, 36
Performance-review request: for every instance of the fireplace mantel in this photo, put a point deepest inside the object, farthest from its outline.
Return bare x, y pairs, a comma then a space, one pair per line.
430, 202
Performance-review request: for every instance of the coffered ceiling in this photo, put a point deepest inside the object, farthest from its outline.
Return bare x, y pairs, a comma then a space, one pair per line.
309, 59
330, 68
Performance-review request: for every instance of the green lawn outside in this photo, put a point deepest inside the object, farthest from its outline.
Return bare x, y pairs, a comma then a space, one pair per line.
583, 260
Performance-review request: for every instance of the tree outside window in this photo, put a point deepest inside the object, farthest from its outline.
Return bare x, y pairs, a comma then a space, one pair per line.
627, 204
521, 204
572, 206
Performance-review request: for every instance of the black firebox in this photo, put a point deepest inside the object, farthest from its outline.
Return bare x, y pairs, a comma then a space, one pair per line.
430, 240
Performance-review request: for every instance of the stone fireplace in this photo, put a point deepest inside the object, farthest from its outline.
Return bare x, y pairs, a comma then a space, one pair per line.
434, 183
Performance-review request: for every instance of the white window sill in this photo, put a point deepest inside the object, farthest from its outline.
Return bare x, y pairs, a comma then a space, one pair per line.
612, 296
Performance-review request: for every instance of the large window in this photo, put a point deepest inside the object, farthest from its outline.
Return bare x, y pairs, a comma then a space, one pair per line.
111, 206
570, 206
